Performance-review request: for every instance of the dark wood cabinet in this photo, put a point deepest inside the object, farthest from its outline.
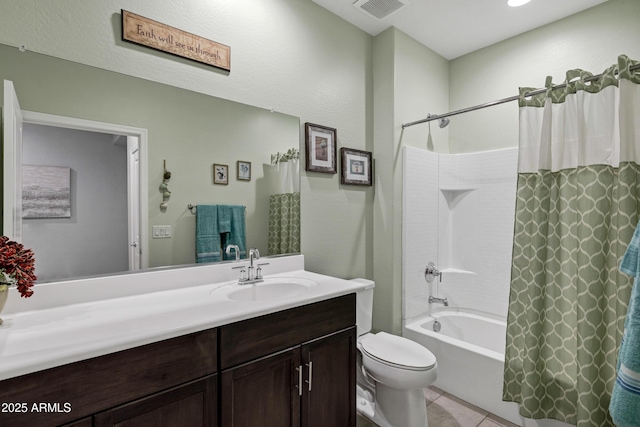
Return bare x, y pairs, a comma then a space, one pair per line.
330, 388
85, 422
263, 392
295, 368
310, 383
190, 405
84, 388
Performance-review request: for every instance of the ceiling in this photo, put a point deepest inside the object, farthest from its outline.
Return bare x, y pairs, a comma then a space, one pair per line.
454, 28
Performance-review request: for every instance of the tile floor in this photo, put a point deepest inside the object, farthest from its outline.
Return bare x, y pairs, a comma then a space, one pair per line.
445, 410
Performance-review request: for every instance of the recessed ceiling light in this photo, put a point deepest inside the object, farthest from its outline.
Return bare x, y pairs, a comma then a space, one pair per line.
516, 3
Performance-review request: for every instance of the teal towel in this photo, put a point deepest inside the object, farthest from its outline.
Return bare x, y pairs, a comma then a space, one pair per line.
224, 218
231, 224
207, 234
625, 399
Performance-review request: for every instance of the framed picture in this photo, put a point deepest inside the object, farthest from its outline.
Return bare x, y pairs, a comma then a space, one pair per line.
46, 192
220, 174
356, 167
244, 170
321, 148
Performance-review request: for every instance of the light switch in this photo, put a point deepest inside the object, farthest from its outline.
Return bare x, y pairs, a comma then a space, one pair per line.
161, 231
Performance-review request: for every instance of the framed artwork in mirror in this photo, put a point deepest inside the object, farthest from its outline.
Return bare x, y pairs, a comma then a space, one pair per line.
320, 148
220, 174
46, 192
356, 167
243, 170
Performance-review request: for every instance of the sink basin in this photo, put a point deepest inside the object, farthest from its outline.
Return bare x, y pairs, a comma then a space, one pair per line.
270, 289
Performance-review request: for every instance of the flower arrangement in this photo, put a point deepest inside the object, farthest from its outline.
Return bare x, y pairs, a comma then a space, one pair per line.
16, 267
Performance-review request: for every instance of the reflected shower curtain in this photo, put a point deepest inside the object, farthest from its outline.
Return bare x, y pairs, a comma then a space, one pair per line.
284, 204
577, 206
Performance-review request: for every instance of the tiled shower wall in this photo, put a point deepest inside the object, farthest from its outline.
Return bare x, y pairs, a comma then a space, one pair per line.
458, 212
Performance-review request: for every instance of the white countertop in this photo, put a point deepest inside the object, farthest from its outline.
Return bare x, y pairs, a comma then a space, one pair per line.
53, 336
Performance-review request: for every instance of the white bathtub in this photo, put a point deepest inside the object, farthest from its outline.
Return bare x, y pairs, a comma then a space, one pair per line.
470, 352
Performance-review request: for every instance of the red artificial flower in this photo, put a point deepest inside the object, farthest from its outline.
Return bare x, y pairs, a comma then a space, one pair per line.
18, 264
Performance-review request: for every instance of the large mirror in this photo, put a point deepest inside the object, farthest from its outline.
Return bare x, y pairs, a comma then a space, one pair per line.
186, 133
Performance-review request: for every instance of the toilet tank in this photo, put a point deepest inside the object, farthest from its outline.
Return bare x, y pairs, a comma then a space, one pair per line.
364, 306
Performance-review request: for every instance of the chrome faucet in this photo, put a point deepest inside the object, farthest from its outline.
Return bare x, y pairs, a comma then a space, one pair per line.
235, 248
254, 274
254, 254
443, 301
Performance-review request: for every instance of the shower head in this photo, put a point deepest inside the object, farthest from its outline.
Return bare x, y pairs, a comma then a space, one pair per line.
443, 122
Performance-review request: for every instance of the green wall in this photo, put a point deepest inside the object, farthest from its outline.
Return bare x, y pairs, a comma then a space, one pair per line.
410, 81
590, 40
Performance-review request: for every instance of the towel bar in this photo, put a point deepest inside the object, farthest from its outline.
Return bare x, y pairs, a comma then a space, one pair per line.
192, 208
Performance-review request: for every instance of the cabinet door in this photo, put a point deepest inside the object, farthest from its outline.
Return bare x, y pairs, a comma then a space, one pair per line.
262, 393
330, 381
190, 405
85, 422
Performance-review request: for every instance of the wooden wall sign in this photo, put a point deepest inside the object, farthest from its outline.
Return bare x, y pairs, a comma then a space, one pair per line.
146, 32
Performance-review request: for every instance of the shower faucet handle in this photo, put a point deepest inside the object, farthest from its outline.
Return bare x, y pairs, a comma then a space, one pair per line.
431, 272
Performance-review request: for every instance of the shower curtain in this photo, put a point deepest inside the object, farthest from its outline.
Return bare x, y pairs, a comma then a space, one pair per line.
284, 204
578, 200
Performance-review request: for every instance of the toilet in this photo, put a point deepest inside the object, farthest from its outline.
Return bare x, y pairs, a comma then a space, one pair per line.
392, 371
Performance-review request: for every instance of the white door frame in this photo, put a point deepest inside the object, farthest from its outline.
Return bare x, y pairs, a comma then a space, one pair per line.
133, 197
94, 126
12, 203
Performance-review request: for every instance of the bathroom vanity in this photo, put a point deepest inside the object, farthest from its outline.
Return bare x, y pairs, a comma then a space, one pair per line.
310, 383
288, 358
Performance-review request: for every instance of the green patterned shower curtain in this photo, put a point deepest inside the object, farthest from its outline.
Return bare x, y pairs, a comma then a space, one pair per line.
578, 202
284, 223
284, 204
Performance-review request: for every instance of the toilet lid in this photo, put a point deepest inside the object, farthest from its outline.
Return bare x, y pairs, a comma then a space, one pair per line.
399, 351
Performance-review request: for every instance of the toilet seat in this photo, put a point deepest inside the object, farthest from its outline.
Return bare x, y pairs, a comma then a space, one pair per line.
397, 352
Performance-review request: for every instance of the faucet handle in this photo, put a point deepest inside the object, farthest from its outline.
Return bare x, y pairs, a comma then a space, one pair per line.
259, 270
243, 273
431, 272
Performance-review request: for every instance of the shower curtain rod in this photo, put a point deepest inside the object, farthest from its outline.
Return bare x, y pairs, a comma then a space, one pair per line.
433, 117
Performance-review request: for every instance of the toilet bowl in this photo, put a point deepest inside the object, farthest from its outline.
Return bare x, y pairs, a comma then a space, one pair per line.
392, 372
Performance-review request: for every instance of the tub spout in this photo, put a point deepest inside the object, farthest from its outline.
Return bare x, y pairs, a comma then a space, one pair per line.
443, 301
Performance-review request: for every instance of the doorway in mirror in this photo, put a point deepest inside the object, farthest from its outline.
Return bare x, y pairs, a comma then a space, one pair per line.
104, 232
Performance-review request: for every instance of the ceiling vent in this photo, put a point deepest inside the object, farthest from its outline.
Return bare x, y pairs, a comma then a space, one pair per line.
380, 9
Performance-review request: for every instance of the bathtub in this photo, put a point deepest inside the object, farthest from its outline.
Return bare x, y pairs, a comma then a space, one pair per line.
470, 352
